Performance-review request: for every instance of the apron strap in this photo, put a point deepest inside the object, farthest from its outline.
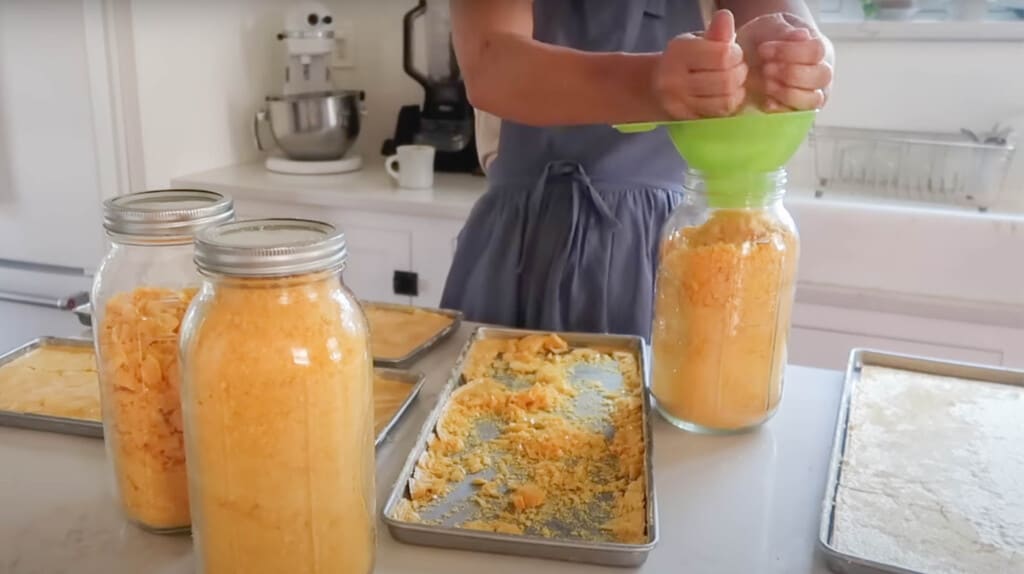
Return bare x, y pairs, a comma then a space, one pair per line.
583, 193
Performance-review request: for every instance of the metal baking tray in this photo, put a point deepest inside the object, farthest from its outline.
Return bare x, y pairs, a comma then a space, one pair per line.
399, 362
604, 553
843, 562
49, 423
84, 314
415, 380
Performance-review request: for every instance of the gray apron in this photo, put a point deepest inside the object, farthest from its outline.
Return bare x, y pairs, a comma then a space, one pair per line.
566, 237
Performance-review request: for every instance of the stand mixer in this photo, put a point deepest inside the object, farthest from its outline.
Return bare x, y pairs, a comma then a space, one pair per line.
313, 125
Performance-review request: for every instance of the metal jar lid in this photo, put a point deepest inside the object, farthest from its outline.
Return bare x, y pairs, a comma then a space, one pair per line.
166, 213
270, 248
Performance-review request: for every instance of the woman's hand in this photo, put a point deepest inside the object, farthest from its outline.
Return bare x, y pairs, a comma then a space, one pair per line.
702, 76
789, 63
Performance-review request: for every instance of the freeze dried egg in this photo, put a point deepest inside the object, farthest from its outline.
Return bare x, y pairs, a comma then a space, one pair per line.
137, 342
722, 311
549, 464
394, 333
54, 380
279, 406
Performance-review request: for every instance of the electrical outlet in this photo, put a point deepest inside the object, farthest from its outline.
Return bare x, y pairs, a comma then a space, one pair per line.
344, 55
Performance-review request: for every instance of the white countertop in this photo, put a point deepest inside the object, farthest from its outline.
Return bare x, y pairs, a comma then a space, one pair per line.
370, 189
727, 505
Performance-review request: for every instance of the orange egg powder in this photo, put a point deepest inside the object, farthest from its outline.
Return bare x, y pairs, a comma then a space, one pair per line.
722, 313
279, 420
137, 342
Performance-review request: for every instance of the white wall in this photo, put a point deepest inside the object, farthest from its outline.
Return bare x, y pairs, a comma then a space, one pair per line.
378, 69
927, 86
931, 86
204, 68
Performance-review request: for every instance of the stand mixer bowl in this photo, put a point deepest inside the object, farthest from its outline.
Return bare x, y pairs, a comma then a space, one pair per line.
319, 126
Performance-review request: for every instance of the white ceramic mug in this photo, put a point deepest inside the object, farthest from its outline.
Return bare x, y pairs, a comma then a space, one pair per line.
412, 167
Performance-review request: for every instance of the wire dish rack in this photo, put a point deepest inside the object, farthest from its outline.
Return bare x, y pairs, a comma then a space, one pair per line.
955, 169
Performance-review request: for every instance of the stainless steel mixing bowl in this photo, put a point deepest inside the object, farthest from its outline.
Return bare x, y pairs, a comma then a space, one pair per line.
311, 127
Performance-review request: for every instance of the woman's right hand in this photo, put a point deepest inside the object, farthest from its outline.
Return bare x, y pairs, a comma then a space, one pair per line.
701, 76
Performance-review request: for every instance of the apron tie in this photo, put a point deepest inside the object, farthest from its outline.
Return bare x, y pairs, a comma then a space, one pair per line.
582, 191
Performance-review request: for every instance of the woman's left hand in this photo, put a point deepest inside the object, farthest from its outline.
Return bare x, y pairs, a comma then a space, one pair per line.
789, 62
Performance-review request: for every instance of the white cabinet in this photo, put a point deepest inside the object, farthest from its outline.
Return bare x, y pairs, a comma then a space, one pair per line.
50, 194
379, 245
924, 282
823, 335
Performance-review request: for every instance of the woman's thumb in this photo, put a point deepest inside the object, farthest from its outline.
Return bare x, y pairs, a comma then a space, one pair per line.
722, 27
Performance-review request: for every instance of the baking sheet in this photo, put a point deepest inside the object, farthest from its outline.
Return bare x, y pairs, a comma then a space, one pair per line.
48, 423
449, 536
415, 380
399, 362
843, 562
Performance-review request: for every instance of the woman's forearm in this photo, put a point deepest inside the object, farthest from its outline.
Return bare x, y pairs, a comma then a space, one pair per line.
523, 80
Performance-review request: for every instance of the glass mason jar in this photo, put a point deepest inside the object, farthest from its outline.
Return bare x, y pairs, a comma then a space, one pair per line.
277, 398
723, 300
139, 297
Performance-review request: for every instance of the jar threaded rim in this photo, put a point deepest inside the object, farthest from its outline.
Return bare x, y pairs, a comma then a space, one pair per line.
169, 214
277, 247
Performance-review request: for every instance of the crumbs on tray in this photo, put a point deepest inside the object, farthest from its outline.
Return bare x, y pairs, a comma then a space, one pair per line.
536, 464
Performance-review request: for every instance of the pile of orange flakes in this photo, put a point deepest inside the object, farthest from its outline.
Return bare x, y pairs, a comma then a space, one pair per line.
140, 380
555, 473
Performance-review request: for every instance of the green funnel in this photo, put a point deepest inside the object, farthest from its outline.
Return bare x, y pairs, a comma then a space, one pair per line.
728, 151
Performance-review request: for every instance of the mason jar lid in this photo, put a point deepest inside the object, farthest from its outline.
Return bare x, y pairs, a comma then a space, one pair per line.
270, 248
165, 213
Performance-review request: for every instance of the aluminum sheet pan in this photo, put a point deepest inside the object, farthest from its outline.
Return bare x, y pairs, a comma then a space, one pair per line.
574, 550
842, 562
64, 425
415, 380
400, 362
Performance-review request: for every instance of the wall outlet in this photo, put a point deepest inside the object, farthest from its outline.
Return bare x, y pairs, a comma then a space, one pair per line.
344, 45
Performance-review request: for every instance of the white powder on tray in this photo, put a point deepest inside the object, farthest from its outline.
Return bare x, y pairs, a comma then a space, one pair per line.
933, 474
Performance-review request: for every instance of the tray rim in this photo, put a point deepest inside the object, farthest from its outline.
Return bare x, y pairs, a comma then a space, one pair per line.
635, 554
405, 360
41, 422
859, 358
414, 378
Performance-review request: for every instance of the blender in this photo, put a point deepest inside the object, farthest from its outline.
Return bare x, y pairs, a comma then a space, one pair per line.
312, 124
445, 120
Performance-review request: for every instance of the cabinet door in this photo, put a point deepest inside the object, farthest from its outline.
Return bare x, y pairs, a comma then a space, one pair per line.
823, 335
831, 349
373, 257
433, 250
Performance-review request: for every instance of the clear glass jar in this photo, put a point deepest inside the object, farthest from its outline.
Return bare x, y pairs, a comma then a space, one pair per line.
139, 298
723, 300
278, 404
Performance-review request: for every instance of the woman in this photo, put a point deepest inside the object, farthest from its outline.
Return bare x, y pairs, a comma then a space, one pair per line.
566, 238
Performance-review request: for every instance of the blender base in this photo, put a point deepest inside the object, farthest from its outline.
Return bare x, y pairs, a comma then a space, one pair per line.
295, 167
